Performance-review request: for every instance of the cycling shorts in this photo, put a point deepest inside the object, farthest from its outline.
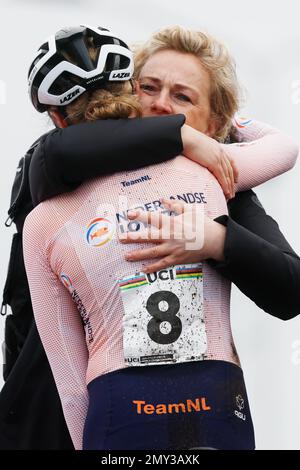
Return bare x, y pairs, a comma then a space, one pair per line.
180, 406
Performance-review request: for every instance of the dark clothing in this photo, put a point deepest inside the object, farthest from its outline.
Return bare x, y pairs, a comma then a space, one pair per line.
192, 405
67, 157
31, 416
258, 258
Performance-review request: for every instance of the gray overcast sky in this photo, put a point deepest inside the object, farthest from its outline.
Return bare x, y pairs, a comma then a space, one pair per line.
264, 37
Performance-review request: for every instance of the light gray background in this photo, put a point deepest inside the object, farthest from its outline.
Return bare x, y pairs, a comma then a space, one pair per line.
264, 37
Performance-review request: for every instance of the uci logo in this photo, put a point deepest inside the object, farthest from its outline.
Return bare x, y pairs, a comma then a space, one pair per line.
69, 96
163, 275
132, 359
121, 75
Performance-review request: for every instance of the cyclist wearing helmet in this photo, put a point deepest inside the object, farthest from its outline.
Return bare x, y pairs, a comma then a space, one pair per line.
113, 64
60, 237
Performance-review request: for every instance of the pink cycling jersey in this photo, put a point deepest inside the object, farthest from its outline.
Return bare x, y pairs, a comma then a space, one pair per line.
97, 313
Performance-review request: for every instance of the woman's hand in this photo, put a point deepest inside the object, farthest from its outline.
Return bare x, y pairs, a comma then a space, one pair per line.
209, 153
188, 237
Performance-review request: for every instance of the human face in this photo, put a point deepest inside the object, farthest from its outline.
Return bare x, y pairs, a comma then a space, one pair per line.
173, 82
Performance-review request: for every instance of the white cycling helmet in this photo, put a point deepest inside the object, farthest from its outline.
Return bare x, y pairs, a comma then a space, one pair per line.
63, 69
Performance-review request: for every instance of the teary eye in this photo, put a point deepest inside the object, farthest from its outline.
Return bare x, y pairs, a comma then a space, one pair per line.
182, 97
147, 87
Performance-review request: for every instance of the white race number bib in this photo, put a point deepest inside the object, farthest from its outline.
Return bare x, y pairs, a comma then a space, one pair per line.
163, 316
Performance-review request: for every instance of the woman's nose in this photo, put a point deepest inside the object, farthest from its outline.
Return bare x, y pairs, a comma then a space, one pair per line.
161, 104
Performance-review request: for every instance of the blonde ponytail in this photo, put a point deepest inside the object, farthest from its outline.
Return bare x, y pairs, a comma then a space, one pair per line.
115, 101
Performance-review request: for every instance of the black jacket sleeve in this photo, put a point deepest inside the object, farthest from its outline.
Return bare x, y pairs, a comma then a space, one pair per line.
65, 158
258, 258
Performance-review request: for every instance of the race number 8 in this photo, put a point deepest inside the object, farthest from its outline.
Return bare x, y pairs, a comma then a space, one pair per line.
159, 316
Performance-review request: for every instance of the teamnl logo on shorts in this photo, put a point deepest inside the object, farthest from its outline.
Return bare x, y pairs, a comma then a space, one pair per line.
99, 231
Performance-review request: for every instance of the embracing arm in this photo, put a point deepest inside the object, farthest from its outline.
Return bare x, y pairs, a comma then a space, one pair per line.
261, 153
60, 329
258, 258
65, 158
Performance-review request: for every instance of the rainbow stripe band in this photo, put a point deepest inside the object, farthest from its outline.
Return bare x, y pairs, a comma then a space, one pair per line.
140, 280
189, 273
188, 270
189, 276
130, 286
133, 281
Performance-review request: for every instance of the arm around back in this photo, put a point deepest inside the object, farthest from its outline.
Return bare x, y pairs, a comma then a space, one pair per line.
66, 157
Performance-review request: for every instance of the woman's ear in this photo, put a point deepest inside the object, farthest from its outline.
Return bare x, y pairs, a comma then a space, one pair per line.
57, 118
133, 85
136, 86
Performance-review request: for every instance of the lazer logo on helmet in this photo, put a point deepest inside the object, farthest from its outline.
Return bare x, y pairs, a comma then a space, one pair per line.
120, 75
69, 96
